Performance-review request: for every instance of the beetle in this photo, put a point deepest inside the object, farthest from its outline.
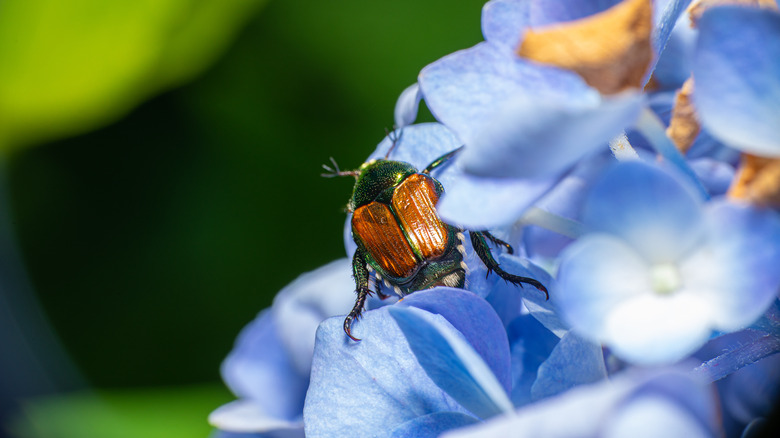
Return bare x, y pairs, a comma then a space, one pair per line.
401, 239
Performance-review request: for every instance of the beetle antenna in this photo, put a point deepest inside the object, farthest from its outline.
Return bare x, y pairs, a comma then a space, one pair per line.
395, 137
334, 171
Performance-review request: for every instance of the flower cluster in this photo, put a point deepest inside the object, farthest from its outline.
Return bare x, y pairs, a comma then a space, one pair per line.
630, 152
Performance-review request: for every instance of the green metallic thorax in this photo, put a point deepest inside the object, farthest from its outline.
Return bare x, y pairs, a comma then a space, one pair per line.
377, 181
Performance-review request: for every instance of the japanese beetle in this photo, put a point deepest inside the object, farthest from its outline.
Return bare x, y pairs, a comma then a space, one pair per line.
400, 238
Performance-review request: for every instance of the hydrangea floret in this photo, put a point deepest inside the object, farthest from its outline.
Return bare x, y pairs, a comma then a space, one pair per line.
660, 250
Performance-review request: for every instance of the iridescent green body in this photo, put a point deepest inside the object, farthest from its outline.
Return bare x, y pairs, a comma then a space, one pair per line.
401, 239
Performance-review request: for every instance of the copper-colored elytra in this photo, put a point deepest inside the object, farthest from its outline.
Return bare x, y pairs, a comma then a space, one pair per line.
385, 242
414, 202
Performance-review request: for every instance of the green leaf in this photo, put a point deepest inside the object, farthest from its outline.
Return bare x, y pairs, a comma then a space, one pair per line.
68, 67
178, 412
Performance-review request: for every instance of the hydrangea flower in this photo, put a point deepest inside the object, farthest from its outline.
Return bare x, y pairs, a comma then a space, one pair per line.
645, 260
661, 270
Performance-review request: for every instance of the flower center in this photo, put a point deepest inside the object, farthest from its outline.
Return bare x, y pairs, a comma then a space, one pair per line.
665, 278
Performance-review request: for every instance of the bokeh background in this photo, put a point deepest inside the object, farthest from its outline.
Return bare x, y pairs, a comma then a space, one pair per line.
160, 182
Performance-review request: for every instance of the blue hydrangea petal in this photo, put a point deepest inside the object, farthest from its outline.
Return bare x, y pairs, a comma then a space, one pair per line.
650, 208
642, 419
369, 387
531, 344
418, 144
566, 199
544, 12
597, 273
432, 425
246, 416
574, 361
303, 304
658, 329
451, 362
716, 175
666, 16
737, 270
737, 70
583, 411
675, 63
259, 368
465, 89
484, 203
407, 105
543, 309
503, 22
475, 319
533, 138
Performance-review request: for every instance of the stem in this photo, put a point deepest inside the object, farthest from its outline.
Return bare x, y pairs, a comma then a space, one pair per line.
731, 361
553, 222
652, 128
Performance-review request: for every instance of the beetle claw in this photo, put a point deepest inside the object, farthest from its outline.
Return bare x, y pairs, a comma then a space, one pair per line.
348, 329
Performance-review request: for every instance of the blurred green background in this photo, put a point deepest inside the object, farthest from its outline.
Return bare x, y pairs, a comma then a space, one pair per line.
160, 173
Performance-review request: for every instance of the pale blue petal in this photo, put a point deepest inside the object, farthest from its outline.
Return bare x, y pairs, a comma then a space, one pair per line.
303, 304
597, 273
537, 138
484, 203
369, 387
675, 63
653, 329
737, 70
451, 362
419, 145
504, 21
349, 242
432, 425
407, 105
737, 270
574, 361
466, 89
584, 411
545, 12
716, 175
543, 309
650, 208
475, 319
531, 344
508, 304
246, 416
259, 368
651, 417
665, 20
566, 200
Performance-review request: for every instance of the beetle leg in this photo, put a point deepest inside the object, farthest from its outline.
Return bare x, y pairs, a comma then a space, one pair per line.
483, 251
395, 137
441, 160
498, 242
360, 272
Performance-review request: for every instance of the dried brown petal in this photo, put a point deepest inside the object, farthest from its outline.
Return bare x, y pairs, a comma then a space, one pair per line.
611, 50
684, 125
757, 181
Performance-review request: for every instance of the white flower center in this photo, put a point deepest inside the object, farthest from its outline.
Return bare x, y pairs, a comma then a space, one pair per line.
665, 278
